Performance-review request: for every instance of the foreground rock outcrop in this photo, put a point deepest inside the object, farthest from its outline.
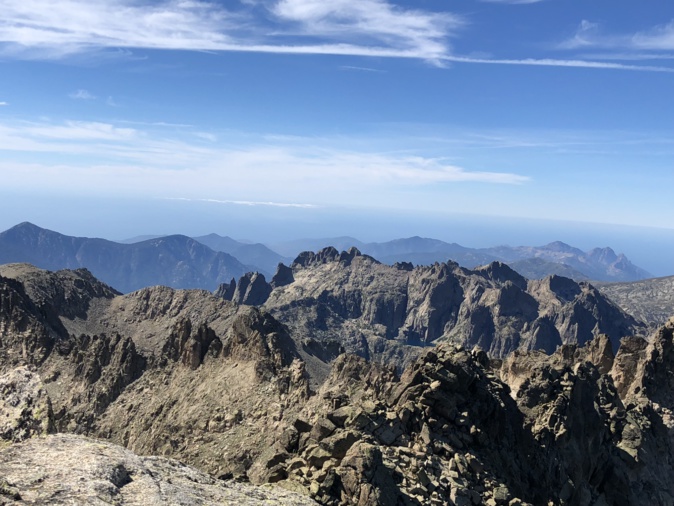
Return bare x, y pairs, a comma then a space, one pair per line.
67, 469
25, 407
579, 427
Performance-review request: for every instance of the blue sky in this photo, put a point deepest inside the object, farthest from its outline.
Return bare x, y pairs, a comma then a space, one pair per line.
551, 110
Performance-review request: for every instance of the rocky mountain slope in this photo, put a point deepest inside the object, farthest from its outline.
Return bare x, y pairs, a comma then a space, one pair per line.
649, 300
335, 302
175, 261
223, 387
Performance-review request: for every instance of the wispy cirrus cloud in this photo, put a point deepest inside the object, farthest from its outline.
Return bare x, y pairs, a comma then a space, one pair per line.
82, 95
360, 69
41, 29
557, 62
102, 156
3, 104
371, 23
591, 35
44, 29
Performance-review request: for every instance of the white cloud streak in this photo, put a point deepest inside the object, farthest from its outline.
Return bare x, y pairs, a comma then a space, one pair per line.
553, 62
3, 104
371, 22
360, 69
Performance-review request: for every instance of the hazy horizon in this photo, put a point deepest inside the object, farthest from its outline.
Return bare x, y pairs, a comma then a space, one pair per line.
648, 247
481, 122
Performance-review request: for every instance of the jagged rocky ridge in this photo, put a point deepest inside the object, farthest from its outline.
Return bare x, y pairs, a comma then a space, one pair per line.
336, 302
223, 387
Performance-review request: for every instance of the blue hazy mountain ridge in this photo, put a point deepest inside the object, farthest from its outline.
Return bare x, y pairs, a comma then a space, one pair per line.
176, 260
257, 255
535, 262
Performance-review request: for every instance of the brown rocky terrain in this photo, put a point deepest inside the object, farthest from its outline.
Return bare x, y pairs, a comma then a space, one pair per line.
649, 300
68, 469
231, 390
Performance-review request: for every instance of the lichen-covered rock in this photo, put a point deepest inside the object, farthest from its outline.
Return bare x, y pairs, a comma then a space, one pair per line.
25, 408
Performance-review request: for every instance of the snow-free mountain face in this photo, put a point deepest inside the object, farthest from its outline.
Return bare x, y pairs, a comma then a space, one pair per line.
176, 260
650, 300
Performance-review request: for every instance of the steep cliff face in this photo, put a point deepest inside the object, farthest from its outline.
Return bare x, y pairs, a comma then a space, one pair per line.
334, 301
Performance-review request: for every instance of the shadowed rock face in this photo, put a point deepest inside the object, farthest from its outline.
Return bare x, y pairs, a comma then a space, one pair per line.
225, 388
387, 312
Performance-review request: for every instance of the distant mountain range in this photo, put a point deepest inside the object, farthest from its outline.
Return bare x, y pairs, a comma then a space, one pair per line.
208, 261
533, 262
176, 260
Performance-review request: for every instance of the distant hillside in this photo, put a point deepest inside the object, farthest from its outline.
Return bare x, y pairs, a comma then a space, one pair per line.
649, 300
256, 255
176, 261
534, 262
